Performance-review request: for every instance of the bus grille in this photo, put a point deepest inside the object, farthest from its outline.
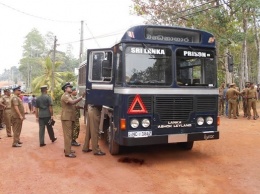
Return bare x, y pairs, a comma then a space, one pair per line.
173, 108
206, 103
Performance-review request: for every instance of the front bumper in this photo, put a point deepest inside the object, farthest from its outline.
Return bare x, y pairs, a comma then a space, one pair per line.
172, 138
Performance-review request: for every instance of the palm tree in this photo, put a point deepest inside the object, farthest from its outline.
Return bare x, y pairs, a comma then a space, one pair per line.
46, 78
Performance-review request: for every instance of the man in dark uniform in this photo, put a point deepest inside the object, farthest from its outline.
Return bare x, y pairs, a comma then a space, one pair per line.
17, 116
251, 97
76, 125
7, 112
68, 117
225, 99
92, 130
221, 99
44, 115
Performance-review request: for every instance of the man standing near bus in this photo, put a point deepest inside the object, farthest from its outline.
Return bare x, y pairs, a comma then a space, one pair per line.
76, 125
251, 97
92, 130
225, 99
221, 99
68, 117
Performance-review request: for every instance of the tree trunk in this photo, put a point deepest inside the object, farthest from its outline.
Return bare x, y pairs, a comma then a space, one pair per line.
228, 74
257, 48
243, 65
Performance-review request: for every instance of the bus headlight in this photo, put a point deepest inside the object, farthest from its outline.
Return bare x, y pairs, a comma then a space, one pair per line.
200, 121
145, 123
134, 123
209, 120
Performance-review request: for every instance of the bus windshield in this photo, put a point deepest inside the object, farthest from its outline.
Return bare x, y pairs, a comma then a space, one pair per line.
195, 68
148, 66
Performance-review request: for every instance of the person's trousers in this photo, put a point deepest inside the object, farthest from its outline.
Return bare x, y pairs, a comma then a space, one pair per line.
7, 118
92, 129
17, 124
220, 106
1, 116
226, 107
42, 123
252, 104
67, 133
76, 126
232, 107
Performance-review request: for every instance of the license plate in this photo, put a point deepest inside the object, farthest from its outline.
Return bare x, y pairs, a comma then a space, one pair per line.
139, 133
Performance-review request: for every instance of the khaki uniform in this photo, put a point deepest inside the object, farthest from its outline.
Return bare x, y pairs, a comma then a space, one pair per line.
76, 125
92, 130
232, 95
251, 97
67, 120
244, 93
7, 114
1, 111
221, 101
16, 121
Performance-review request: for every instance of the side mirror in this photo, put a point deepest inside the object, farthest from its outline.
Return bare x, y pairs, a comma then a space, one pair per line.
106, 70
230, 64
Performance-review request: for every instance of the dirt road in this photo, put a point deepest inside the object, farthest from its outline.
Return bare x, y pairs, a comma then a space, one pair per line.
228, 165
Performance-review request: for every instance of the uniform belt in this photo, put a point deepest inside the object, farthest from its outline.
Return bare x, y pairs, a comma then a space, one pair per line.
251, 98
7, 108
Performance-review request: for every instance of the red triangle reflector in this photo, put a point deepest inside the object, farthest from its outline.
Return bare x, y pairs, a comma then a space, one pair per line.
133, 110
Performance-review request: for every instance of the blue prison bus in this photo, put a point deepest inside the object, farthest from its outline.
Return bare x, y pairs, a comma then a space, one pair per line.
157, 85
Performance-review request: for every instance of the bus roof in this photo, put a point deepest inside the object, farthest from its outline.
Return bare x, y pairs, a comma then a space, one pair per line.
167, 35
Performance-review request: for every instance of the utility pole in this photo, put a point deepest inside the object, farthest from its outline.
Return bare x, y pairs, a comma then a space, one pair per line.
81, 43
53, 65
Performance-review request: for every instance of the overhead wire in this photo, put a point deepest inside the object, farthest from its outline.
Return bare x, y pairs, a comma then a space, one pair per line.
92, 35
90, 38
193, 13
35, 16
107, 35
112, 34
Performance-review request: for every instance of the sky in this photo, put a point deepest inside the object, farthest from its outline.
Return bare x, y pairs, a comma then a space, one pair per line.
101, 17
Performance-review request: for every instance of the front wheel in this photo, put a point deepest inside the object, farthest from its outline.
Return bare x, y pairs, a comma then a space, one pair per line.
113, 146
187, 145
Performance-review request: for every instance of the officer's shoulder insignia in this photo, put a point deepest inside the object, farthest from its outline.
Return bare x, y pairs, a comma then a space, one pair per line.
14, 98
67, 95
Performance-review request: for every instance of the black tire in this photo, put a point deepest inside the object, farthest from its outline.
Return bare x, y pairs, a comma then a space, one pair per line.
187, 145
113, 146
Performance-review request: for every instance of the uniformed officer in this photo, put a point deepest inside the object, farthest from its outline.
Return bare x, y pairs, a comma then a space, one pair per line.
221, 99
17, 116
1, 110
68, 117
251, 97
244, 93
44, 114
92, 130
232, 94
7, 112
76, 124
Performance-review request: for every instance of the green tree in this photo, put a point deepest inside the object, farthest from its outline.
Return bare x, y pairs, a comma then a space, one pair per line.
232, 22
46, 77
33, 49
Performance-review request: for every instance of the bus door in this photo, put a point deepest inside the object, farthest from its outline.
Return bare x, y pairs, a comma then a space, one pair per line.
99, 85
